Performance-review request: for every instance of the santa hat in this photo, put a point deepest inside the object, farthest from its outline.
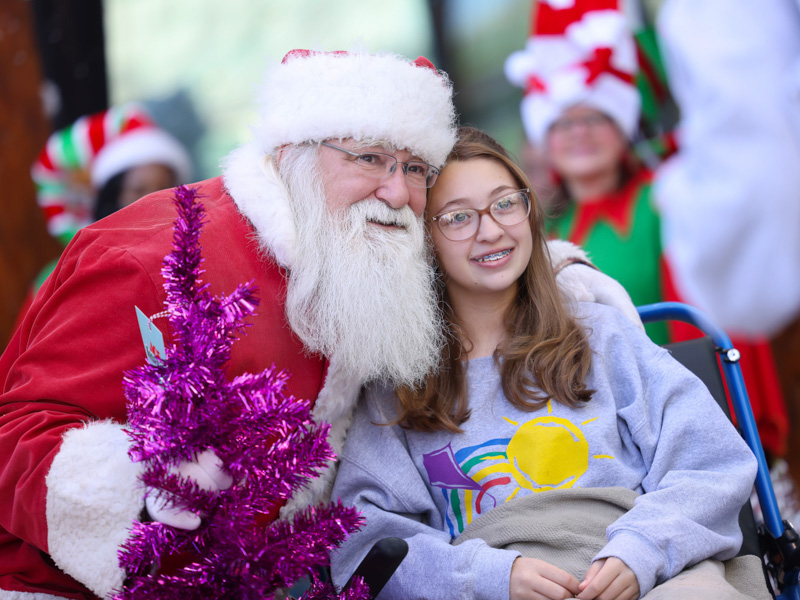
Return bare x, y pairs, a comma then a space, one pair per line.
314, 96
73, 162
579, 52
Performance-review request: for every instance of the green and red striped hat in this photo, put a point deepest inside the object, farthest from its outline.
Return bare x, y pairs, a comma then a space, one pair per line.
79, 159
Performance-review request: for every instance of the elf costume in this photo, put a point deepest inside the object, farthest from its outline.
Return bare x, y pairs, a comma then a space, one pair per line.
582, 52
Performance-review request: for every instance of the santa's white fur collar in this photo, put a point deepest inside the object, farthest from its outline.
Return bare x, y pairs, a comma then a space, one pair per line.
261, 196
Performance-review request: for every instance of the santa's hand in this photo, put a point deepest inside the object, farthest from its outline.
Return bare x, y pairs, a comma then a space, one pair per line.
206, 471
577, 278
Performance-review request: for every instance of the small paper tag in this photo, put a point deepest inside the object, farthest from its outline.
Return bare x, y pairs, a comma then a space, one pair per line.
153, 339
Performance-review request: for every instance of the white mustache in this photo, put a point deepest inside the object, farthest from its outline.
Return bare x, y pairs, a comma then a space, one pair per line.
375, 210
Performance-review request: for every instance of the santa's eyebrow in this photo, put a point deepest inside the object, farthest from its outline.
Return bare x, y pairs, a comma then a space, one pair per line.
385, 147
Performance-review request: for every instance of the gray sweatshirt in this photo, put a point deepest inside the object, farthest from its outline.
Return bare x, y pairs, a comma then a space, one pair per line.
651, 427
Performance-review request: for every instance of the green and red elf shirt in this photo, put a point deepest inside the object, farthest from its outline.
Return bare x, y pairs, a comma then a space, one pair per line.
621, 234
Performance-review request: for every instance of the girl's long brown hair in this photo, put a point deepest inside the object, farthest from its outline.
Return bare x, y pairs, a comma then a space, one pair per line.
547, 354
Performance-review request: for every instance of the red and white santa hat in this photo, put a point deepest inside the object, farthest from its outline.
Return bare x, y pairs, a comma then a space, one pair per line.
314, 96
579, 52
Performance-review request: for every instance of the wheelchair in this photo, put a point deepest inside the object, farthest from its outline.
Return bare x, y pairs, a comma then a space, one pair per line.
775, 541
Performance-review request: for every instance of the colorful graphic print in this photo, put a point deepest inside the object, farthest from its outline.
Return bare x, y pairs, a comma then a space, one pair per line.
545, 453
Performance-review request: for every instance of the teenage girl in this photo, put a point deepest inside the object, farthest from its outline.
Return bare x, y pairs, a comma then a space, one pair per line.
535, 401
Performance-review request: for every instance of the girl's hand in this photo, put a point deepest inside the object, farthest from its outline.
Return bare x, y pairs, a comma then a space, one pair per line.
609, 579
533, 579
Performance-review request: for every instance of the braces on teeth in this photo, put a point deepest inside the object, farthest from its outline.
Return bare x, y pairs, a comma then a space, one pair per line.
494, 256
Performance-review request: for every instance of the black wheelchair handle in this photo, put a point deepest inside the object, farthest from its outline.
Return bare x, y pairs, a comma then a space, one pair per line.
380, 563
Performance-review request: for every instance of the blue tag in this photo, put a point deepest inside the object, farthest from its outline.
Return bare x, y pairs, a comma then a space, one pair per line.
153, 339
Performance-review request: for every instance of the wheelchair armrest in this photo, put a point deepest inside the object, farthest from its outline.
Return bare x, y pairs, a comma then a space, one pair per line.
380, 563
375, 569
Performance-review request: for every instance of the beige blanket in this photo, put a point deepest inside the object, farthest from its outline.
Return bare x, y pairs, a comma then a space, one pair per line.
567, 528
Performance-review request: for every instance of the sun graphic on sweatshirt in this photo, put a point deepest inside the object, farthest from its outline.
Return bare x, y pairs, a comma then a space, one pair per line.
548, 453
545, 453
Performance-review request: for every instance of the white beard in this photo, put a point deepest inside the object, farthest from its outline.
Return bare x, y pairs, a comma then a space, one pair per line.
360, 293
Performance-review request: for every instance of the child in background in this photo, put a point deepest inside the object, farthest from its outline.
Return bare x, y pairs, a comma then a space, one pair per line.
583, 72
101, 163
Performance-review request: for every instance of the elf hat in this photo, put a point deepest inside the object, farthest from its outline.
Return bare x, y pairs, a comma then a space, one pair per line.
66, 166
314, 96
62, 171
139, 147
579, 52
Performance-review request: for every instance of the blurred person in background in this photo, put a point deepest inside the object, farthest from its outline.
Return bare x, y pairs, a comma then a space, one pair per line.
581, 109
534, 162
582, 106
730, 196
101, 163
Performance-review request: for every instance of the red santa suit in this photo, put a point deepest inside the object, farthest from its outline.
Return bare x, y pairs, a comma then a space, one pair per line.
69, 490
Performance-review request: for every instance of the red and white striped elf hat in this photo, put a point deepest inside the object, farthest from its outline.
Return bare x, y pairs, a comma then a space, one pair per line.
79, 159
579, 52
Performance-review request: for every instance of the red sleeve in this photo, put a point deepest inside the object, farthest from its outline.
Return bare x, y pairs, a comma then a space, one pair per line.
678, 331
23, 310
64, 367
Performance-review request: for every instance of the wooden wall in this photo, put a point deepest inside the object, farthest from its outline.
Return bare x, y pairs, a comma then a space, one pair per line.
25, 246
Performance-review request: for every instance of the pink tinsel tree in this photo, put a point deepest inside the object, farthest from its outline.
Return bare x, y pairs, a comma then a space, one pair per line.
266, 440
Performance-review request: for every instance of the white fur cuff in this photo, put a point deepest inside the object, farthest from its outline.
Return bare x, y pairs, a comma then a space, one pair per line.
6, 595
560, 250
93, 496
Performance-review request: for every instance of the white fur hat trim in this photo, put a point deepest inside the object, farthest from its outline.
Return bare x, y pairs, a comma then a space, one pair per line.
141, 146
609, 95
311, 97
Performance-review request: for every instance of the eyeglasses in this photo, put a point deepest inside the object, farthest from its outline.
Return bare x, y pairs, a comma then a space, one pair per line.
590, 121
462, 224
380, 166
